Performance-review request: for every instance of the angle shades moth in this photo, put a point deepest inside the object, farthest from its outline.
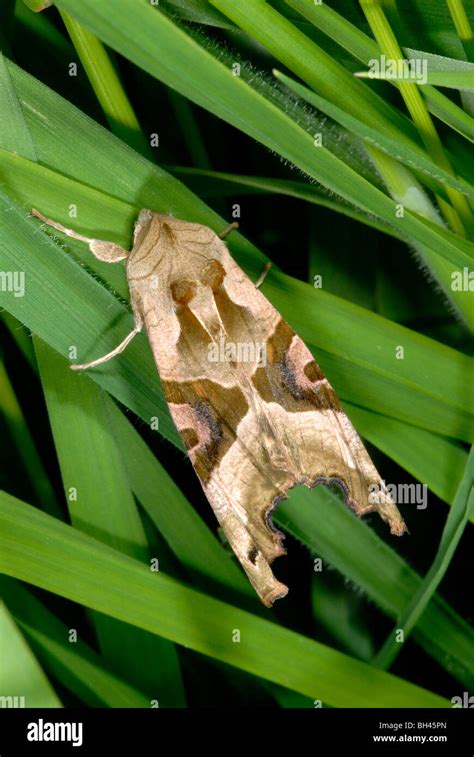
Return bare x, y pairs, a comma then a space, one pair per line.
255, 422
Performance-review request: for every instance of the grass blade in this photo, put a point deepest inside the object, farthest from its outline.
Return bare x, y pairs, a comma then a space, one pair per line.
107, 86
77, 666
364, 49
91, 464
38, 549
458, 518
23, 682
352, 546
406, 154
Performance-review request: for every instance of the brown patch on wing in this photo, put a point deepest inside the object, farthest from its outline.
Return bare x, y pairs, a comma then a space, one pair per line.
189, 437
292, 378
183, 291
236, 319
208, 415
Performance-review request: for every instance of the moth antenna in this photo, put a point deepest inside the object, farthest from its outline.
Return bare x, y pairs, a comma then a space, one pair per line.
109, 252
60, 227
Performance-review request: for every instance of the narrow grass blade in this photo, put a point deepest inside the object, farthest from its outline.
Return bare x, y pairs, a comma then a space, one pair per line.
406, 154
461, 80
36, 548
463, 26
325, 525
101, 504
458, 518
77, 666
460, 71
107, 86
364, 49
22, 680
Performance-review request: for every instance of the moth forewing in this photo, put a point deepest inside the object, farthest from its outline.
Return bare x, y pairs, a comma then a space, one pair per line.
254, 410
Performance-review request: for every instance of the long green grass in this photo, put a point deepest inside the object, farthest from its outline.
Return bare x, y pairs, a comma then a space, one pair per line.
367, 183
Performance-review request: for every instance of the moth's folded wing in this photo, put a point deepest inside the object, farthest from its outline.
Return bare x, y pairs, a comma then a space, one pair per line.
224, 443
308, 425
308, 420
258, 426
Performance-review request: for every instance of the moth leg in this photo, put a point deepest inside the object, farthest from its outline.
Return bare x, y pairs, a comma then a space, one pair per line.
109, 252
263, 275
120, 348
228, 229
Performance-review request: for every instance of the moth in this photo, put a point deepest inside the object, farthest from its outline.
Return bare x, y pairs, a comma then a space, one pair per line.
254, 410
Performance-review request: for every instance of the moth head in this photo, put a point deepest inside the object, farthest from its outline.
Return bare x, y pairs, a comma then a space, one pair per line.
147, 223
180, 253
